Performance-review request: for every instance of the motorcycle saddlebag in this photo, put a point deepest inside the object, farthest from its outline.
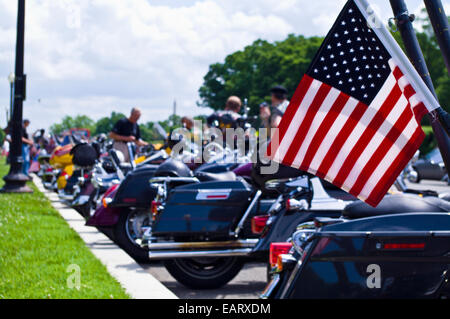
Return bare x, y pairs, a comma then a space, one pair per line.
135, 190
211, 209
391, 256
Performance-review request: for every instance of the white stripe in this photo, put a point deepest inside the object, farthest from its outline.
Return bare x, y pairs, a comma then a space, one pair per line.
403, 83
296, 121
375, 142
386, 162
361, 126
335, 129
317, 121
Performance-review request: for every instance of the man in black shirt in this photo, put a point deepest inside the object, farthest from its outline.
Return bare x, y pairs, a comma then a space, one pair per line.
127, 130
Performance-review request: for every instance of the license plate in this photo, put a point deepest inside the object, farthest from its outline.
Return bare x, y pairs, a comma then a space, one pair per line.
270, 287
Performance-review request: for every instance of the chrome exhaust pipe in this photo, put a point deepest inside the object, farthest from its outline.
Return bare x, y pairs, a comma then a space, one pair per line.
247, 243
201, 249
197, 254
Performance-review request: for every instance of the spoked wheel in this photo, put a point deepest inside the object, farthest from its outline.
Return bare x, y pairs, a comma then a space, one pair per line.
128, 233
204, 273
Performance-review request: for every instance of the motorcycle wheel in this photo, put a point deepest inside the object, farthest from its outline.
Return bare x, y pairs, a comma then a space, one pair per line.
84, 210
127, 233
204, 273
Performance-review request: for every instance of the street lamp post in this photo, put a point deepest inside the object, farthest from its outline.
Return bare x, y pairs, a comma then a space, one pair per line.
16, 180
11, 80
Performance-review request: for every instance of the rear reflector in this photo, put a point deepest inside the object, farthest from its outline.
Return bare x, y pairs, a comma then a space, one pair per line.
277, 249
154, 207
403, 246
258, 224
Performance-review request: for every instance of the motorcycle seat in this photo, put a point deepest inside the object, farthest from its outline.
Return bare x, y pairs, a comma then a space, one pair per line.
215, 177
397, 204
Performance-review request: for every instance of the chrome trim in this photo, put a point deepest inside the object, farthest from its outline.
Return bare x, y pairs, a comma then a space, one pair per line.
196, 254
247, 212
266, 294
248, 243
174, 179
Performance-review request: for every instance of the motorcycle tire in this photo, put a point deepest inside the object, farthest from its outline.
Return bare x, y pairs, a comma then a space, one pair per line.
204, 273
84, 210
124, 241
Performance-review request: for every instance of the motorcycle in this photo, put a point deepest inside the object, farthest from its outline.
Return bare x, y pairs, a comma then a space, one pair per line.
125, 206
206, 231
400, 249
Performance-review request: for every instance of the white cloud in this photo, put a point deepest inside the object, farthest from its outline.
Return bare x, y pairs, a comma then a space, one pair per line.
95, 56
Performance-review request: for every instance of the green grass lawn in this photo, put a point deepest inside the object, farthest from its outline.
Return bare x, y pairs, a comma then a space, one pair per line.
37, 247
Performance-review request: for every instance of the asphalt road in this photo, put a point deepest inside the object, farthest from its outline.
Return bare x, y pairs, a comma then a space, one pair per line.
251, 281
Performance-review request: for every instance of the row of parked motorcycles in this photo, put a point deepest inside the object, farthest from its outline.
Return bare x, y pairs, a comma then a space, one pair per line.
206, 221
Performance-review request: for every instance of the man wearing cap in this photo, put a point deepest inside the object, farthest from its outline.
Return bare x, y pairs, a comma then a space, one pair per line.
271, 116
127, 130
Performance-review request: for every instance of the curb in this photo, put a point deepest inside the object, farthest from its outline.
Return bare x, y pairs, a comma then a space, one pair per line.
138, 283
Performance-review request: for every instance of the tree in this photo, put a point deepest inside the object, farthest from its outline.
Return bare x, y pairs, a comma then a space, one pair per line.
68, 122
252, 72
106, 124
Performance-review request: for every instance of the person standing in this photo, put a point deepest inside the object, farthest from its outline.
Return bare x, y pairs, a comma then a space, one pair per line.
271, 115
127, 130
27, 143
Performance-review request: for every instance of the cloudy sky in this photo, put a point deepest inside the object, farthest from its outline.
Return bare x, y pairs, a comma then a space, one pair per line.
97, 56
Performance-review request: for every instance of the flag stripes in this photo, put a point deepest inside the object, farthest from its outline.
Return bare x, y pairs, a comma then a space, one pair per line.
360, 148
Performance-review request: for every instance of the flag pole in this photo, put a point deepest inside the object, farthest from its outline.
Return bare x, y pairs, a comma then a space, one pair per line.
438, 117
440, 25
15, 181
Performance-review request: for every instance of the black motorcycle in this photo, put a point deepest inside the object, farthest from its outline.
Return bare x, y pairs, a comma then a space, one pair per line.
400, 249
206, 231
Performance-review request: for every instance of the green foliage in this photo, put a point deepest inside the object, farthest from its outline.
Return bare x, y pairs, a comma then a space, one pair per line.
252, 72
429, 143
434, 60
68, 122
2, 137
106, 124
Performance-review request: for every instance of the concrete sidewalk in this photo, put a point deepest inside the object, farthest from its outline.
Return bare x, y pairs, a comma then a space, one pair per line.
138, 283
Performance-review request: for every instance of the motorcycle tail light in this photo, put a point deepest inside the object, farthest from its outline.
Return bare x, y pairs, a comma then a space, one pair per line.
277, 249
258, 224
106, 199
154, 207
48, 170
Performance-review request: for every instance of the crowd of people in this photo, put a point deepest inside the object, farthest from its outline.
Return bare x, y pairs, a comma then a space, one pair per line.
127, 129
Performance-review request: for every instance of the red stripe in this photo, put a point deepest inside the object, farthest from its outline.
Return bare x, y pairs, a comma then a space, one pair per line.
306, 123
396, 168
292, 108
297, 99
323, 129
367, 135
397, 73
419, 111
340, 139
382, 150
408, 91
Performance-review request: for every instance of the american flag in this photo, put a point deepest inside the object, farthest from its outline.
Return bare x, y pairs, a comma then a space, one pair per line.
354, 120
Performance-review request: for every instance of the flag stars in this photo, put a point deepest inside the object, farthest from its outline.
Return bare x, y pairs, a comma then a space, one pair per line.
348, 59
